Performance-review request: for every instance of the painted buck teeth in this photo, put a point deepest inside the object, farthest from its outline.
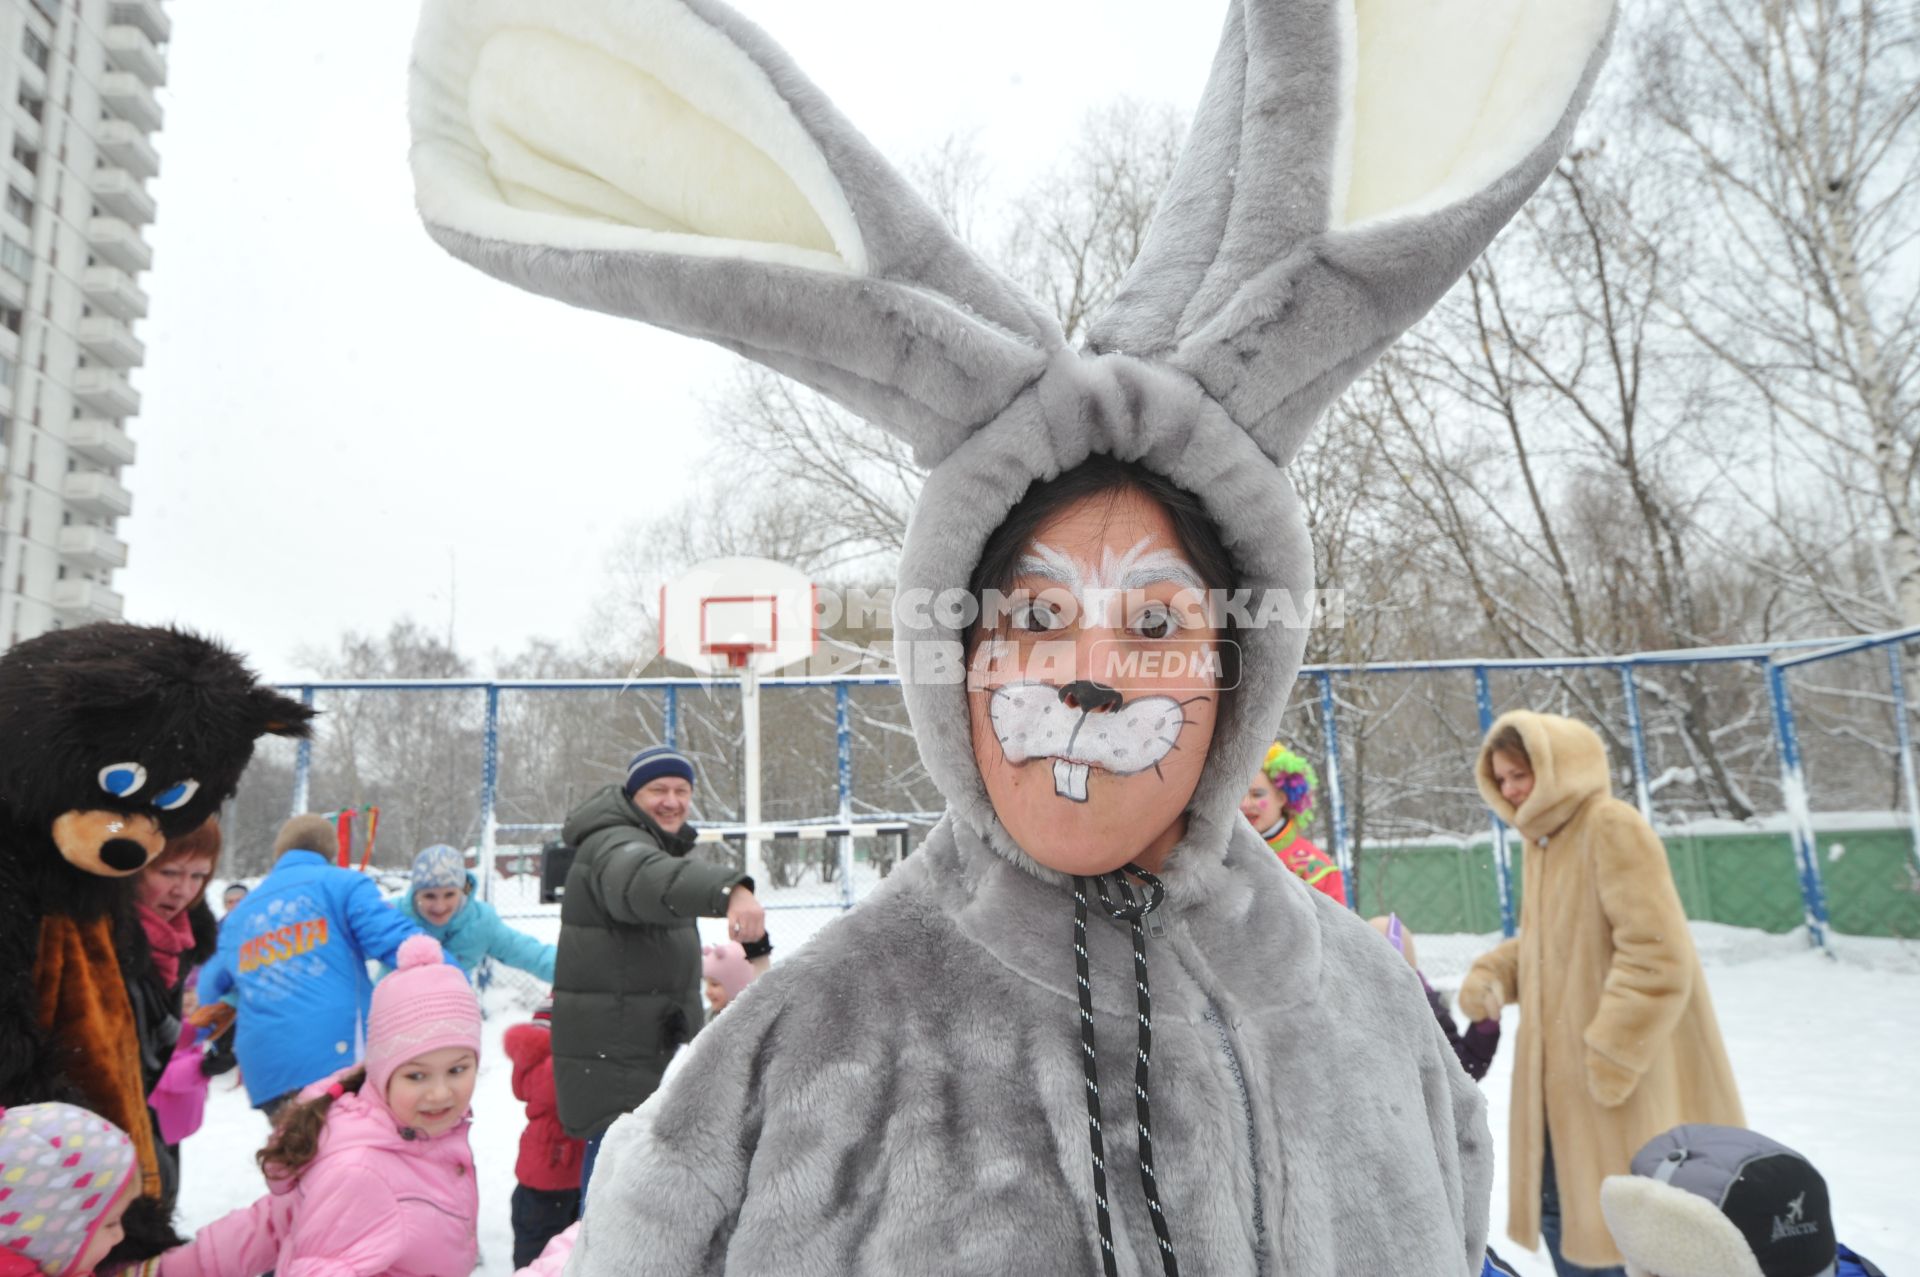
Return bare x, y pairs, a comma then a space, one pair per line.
1070, 780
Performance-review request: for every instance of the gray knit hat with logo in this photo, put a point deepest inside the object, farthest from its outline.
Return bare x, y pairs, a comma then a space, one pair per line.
1717, 1201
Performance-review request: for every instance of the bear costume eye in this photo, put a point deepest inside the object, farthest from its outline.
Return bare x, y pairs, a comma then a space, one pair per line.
178, 796
121, 779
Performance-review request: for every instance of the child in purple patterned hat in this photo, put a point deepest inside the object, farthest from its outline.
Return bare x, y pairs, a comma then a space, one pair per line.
65, 1176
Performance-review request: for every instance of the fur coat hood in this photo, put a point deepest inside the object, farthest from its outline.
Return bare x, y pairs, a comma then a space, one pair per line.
908, 1093
1569, 770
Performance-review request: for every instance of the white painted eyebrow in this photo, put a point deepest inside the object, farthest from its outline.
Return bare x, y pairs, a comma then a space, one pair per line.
1053, 565
1161, 565
1134, 570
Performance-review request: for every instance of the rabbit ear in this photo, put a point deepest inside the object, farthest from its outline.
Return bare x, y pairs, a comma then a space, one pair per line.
664, 160
1348, 162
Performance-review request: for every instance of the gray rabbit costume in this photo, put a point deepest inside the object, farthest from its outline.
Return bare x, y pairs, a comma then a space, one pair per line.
906, 1094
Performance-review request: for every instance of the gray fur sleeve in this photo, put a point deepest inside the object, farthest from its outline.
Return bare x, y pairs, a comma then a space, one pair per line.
1458, 1113
670, 1177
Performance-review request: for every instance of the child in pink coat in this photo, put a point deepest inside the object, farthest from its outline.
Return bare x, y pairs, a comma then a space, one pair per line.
370, 1174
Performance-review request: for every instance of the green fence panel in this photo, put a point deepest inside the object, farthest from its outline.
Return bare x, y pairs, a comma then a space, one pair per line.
1429, 887
1872, 889
1744, 879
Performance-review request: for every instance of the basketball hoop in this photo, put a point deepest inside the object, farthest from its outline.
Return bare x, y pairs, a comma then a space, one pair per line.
736, 655
744, 618
732, 616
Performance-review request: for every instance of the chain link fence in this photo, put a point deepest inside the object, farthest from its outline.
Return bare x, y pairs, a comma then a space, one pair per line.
1782, 779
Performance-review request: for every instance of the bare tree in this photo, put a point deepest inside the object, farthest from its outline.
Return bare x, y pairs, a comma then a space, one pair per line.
1077, 230
1548, 430
1069, 236
1799, 121
416, 754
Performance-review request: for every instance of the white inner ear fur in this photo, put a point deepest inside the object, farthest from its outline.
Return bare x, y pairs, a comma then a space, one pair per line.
634, 127
1445, 96
1667, 1230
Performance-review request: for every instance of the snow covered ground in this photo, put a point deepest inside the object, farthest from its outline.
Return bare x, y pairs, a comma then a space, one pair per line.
1825, 1051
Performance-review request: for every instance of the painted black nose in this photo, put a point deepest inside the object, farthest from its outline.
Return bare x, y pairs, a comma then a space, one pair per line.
123, 854
1089, 697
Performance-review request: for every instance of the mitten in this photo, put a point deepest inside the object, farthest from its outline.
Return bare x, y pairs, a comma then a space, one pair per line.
1482, 996
1607, 1082
179, 1098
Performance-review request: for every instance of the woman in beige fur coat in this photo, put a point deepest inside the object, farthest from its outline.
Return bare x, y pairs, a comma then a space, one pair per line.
1617, 1039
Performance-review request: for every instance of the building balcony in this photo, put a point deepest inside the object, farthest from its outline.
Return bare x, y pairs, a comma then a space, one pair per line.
13, 290
118, 243
85, 601
120, 193
126, 145
113, 290
92, 492
111, 342
145, 14
132, 50
90, 548
106, 392
100, 441
128, 97
32, 77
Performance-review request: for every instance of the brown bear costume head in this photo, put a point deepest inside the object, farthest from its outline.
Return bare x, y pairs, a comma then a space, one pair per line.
114, 738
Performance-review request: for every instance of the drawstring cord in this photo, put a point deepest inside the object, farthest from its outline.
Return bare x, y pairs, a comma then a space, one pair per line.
1131, 907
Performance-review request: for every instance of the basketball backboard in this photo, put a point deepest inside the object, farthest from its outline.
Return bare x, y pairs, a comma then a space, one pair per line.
723, 616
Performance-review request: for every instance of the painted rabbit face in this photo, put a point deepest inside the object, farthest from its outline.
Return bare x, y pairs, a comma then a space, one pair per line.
1093, 697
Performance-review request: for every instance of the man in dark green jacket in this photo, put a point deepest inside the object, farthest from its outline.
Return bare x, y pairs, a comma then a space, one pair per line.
627, 981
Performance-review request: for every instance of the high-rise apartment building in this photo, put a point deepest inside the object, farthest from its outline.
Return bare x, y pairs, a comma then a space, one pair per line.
77, 96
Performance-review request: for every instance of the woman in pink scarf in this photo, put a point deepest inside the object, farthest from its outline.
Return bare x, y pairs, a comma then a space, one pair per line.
177, 934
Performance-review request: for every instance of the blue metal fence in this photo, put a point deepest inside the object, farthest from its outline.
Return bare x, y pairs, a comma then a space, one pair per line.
1774, 662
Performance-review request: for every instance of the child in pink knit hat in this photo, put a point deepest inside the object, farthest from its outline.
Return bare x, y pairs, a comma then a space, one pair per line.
66, 1177
724, 971
390, 1188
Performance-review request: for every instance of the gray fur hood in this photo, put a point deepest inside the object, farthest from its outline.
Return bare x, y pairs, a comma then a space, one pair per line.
906, 1095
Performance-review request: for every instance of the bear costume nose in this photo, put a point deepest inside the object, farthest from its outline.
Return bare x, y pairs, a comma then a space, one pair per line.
124, 855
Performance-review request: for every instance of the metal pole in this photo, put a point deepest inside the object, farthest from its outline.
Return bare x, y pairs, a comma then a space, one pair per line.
1905, 735
1793, 790
489, 790
1343, 851
303, 762
1502, 856
670, 714
843, 746
750, 722
1637, 732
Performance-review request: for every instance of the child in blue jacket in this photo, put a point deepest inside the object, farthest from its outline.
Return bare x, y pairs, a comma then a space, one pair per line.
441, 903
295, 953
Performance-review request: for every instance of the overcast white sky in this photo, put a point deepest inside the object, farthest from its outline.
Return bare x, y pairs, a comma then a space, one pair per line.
333, 407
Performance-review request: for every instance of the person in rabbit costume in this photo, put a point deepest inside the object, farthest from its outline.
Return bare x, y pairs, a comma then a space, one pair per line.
1019, 1054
